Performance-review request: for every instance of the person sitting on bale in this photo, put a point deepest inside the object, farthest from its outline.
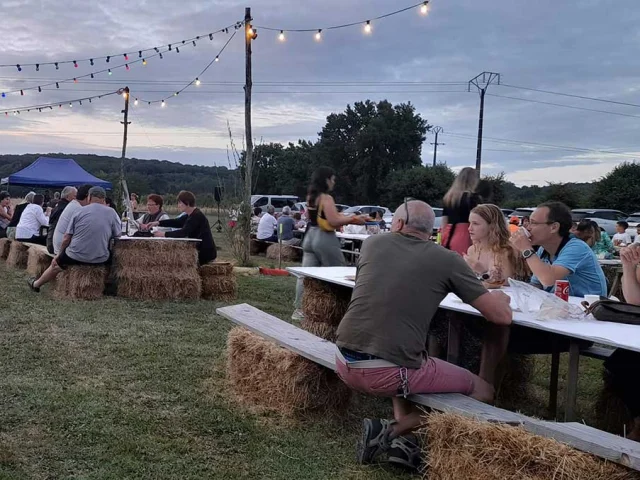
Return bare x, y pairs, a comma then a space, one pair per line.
193, 224
5, 213
255, 220
31, 221
68, 196
17, 214
267, 226
81, 200
401, 279
86, 240
286, 226
154, 211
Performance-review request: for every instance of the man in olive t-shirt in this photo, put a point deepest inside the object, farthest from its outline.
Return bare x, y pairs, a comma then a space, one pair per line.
402, 277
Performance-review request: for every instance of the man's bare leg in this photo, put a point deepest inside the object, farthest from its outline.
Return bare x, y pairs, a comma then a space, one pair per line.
49, 274
494, 348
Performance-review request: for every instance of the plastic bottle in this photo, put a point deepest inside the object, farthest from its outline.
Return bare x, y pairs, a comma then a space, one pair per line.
125, 224
439, 237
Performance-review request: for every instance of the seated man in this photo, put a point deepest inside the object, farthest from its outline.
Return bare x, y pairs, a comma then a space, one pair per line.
559, 257
402, 278
33, 218
624, 365
68, 196
267, 226
286, 226
81, 200
87, 239
17, 214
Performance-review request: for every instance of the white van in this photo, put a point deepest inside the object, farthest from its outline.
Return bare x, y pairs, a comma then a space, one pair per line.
278, 201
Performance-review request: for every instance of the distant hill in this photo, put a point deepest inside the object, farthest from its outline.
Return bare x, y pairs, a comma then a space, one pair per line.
143, 176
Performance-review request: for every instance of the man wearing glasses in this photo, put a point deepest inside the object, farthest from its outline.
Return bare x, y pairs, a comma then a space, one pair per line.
401, 280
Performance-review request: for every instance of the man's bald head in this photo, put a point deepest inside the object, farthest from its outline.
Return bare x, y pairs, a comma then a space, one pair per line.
421, 217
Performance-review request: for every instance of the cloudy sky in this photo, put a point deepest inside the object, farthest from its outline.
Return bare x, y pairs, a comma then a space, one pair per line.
583, 48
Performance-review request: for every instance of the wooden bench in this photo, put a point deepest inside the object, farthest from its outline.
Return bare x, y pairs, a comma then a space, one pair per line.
322, 352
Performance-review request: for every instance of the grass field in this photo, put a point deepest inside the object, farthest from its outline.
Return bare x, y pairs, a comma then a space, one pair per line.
118, 389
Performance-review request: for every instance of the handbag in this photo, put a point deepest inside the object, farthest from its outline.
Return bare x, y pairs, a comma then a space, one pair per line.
617, 312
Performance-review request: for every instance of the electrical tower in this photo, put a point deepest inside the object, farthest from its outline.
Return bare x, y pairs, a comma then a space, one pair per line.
482, 82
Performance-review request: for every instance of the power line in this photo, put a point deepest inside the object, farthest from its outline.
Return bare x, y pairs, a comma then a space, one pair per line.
565, 106
583, 97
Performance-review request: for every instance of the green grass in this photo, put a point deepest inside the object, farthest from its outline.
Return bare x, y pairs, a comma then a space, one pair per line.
118, 389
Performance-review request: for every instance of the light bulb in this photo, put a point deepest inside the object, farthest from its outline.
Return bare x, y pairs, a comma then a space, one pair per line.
319, 35
217, 58
197, 81
124, 94
135, 102
144, 61
163, 104
71, 105
367, 27
250, 31
110, 72
424, 9
281, 37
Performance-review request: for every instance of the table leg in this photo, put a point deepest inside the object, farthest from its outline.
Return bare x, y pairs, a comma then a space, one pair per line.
572, 382
553, 381
616, 282
453, 343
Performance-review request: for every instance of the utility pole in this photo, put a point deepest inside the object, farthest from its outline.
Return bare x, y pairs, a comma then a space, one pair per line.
482, 82
436, 130
125, 93
249, 36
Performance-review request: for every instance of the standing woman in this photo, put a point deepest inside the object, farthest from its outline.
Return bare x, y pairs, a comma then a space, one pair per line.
458, 203
321, 247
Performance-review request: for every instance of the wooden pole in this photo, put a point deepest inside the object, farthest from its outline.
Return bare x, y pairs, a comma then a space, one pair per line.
248, 36
120, 200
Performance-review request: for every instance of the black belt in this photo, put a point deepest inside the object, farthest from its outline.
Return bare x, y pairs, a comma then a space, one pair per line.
354, 356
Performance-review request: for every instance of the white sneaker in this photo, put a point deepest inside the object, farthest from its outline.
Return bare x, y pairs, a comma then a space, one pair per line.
297, 316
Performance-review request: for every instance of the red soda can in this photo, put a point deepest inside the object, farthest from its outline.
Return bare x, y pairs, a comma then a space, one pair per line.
562, 289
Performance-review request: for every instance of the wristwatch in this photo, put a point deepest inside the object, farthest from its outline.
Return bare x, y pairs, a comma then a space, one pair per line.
484, 276
528, 253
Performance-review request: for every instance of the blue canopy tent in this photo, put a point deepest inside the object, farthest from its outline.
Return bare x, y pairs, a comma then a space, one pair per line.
54, 172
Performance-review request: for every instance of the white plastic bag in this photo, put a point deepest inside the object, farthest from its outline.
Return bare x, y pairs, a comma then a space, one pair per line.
543, 305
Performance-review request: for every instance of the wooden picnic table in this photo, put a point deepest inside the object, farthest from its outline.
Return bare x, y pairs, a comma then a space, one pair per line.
612, 334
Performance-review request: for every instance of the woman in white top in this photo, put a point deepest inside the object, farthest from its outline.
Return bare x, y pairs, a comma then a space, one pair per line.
33, 217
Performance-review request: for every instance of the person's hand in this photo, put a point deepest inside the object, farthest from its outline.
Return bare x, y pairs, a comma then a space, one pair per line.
359, 219
48, 211
630, 255
520, 241
476, 265
158, 234
54, 262
144, 227
152, 224
502, 297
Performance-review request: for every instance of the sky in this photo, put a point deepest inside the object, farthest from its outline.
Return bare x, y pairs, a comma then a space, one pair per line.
582, 48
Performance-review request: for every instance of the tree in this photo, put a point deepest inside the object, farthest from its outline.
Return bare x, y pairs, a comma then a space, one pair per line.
619, 189
369, 141
492, 189
427, 184
562, 192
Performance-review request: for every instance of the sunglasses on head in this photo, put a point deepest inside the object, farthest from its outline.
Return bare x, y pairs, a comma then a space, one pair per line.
406, 207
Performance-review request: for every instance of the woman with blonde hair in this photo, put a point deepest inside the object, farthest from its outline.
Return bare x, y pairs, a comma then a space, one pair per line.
491, 256
458, 203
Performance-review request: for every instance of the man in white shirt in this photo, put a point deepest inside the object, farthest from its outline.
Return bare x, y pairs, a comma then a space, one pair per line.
82, 199
33, 217
621, 237
267, 226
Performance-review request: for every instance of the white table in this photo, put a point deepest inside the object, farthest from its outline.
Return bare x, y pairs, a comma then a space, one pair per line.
360, 237
613, 262
159, 239
607, 333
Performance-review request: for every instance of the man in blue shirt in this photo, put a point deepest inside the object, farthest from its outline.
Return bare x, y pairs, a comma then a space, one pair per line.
560, 257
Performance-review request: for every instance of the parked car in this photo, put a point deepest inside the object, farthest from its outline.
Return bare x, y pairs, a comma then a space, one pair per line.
522, 212
605, 218
438, 223
387, 215
278, 201
633, 220
507, 212
302, 206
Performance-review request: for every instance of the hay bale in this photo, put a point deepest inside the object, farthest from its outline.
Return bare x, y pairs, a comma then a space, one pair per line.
278, 380
178, 285
220, 288
18, 255
324, 302
458, 447
289, 253
322, 330
38, 262
216, 269
82, 282
5, 246
257, 247
612, 414
141, 255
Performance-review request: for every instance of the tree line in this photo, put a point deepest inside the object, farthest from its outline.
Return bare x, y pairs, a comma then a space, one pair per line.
376, 151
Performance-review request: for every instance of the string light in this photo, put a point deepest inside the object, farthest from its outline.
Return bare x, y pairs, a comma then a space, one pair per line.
139, 53
37, 67
75, 80
57, 67
281, 37
136, 102
126, 57
91, 62
198, 82
127, 66
4, 95
110, 72
108, 58
19, 68
177, 50
194, 43
22, 93
163, 104
39, 89
424, 9
217, 59
367, 27
144, 61
124, 94
57, 85
50, 106
75, 64
250, 32
319, 35
70, 105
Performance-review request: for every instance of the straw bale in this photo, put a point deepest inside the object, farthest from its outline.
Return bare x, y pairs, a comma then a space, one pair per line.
611, 412
289, 253
83, 282
220, 288
276, 379
18, 255
322, 330
172, 285
142, 255
457, 447
5, 246
323, 302
257, 247
216, 269
38, 262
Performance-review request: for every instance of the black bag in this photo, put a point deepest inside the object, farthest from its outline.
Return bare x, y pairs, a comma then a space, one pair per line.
616, 312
